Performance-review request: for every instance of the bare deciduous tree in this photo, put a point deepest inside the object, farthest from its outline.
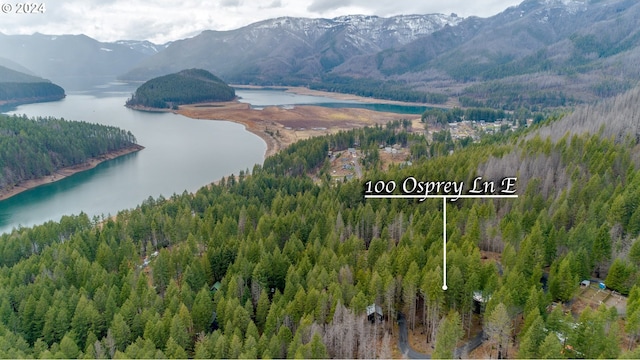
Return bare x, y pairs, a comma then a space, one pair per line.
498, 328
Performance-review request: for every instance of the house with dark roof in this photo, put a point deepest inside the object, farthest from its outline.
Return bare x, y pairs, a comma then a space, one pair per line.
374, 312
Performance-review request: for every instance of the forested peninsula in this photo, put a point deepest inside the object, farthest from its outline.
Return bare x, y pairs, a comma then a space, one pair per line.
185, 87
34, 151
18, 88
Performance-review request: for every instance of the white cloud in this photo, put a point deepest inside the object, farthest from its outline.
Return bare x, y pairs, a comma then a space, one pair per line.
230, 3
321, 6
164, 20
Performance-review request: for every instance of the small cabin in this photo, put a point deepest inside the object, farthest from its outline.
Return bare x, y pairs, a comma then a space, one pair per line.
479, 302
374, 312
215, 287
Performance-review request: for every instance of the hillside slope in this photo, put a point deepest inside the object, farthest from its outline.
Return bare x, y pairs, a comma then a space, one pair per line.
73, 61
280, 264
287, 50
19, 88
35, 148
541, 52
185, 87
9, 75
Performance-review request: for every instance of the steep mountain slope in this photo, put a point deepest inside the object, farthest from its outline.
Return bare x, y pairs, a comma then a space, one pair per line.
539, 53
70, 60
288, 49
539, 50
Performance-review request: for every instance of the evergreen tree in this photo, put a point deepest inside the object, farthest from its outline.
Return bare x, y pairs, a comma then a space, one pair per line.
181, 328
120, 332
449, 332
532, 338
174, 350
551, 348
68, 347
202, 311
619, 277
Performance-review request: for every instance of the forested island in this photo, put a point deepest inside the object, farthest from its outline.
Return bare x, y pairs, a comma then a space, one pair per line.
285, 262
39, 150
185, 87
18, 88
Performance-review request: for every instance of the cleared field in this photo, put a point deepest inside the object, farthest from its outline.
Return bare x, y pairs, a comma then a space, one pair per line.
593, 297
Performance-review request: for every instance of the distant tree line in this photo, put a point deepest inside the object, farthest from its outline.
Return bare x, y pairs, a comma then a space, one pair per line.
22, 91
497, 94
389, 90
35, 147
186, 87
444, 116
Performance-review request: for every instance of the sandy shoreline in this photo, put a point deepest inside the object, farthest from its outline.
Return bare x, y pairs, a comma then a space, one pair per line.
220, 111
65, 172
280, 127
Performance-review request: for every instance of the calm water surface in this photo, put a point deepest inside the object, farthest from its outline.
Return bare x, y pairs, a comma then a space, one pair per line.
180, 154
261, 98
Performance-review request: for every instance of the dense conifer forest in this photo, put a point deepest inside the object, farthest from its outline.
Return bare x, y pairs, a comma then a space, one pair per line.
276, 263
27, 92
185, 87
19, 88
32, 148
390, 90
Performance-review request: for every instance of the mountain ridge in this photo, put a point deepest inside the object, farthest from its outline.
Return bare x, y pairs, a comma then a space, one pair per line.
73, 61
537, 53
579, 50
276, 49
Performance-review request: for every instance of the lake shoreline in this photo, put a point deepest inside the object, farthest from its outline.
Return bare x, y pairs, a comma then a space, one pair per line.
280, 126
67, 171
148, 109
9, 104
301, 90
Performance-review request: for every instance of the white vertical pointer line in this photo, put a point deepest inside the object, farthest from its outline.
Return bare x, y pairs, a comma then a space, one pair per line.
444, 243
444, 216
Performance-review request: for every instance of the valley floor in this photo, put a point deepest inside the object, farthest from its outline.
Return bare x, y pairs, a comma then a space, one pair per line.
65, 172
279, 126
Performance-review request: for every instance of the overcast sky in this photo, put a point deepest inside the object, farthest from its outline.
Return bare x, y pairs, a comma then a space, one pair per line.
165, 20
